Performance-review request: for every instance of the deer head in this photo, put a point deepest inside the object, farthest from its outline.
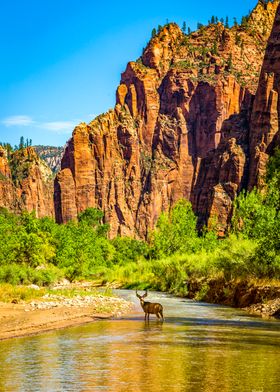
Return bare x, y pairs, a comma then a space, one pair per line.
141, 297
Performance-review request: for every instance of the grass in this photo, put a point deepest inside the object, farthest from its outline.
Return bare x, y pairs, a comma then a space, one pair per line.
10, 293
231, 260
20, 274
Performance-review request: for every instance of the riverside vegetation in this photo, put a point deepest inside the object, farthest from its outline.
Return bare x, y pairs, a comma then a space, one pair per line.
176, 256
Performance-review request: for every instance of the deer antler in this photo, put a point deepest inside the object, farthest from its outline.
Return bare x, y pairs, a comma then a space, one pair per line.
137, 295
145, 295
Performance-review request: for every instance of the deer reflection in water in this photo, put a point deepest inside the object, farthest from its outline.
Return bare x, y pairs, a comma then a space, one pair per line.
150, 307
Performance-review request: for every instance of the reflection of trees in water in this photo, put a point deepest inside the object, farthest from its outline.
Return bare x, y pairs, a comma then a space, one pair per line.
131, 355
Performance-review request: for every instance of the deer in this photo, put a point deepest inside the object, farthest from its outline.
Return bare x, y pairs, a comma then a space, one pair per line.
149, 307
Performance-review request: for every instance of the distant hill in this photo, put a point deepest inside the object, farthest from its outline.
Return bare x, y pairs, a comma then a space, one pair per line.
51, 155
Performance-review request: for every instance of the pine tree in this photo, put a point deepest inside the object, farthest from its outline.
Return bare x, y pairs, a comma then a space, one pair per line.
215, 48
21, 142
159, 29
229, 62
244, 21
189, 31
154, 32
184, 27
227, 22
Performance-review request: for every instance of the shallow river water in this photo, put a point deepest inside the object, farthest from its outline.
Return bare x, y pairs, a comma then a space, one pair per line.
199, 347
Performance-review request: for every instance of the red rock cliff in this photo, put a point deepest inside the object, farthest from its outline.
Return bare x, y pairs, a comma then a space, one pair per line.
264, 127
25, 183
179, 129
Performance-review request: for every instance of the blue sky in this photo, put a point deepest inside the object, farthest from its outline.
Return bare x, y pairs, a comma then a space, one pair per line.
61, 60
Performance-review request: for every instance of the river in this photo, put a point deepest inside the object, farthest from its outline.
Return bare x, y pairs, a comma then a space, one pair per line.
199, 347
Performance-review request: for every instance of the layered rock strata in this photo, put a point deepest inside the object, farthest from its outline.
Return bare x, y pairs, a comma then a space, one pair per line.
264, 126
180, 129
26, 183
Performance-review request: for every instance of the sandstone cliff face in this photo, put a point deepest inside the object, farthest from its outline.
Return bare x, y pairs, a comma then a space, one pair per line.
264, 127
25, 183
8, 197
179, 129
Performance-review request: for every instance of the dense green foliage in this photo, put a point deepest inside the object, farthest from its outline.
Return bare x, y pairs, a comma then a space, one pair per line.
41, 247
175, 231
40, 251
256, 217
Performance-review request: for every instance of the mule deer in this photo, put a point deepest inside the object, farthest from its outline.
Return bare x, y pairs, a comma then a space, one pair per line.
149, 307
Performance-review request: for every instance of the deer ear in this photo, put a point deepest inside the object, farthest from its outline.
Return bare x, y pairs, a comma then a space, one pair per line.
137, 295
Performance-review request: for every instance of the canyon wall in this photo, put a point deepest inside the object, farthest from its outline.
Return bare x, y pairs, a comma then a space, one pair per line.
264, 125
185, 125
26, 183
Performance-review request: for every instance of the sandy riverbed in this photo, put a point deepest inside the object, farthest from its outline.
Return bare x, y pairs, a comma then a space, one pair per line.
18, 320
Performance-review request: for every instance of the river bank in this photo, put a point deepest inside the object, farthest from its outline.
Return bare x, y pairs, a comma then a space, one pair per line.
55, 312
256, 297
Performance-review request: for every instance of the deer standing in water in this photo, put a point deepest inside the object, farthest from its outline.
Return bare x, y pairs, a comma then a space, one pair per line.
149, 307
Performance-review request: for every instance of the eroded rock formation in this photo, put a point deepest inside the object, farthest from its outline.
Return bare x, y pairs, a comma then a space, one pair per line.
25, 183
264, 127
180, 128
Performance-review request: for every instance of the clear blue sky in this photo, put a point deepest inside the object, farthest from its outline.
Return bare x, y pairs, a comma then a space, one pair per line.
61, 60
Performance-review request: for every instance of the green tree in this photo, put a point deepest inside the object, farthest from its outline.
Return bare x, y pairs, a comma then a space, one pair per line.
154, 32
175, 231
21, 142
229, 62
28, 244
128, 249
215, 48
93, 217
252, 216
227, 22
273, 175
244, 22
184, 27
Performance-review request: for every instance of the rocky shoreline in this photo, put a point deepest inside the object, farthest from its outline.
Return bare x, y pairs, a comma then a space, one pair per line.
253, 297
271, 309
116, 306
